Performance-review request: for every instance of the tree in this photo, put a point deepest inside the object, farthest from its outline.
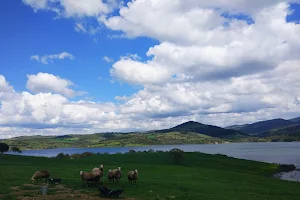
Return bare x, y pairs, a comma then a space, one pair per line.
62, 155
16, 149
3, 147
177, 155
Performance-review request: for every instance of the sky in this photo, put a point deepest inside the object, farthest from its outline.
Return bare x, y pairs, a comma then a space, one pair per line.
87, 66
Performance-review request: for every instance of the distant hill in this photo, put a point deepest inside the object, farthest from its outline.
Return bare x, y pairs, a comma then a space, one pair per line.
236, 127
195, 127
286, 134
289, 130
263, 126
187, 133
295, 120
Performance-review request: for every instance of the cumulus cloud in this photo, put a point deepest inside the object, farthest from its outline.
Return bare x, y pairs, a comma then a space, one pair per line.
211, 70
217, 62
24, 113
4, 85
45, 59
44, 82
45, 113
134, 72
207, 49
6, 90
37, 4
84, 7
74, 8
237, 100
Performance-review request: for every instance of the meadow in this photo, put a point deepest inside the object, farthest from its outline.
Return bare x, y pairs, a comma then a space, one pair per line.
197, 176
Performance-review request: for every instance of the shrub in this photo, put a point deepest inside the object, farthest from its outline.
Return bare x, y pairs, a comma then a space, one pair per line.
16, 149
3, 147
219, 154
62, 155
177, 155
286, 168
151, 151
85, 154
75, 156
67, 156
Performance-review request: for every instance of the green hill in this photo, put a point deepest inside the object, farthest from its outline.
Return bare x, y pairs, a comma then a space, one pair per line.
213, 131
187, 133
290, 133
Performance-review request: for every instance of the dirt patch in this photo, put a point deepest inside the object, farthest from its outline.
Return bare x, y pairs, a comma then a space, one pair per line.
57, 192
15, 187
62, 197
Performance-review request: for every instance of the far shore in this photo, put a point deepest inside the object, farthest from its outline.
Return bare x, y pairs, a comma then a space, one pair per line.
144, 145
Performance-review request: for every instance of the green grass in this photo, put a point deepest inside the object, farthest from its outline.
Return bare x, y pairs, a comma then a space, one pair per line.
199, 176
9, 197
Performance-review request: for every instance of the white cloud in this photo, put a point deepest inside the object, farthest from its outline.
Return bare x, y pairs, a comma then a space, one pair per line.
131, 56
47, 113
36, 4
135, 72
86, 28
6, 90
225, 102
44, 82
4, 85
84, 7
79, 27
80, 10
108, 59
206, 49
74, 8
45, 59
51, 114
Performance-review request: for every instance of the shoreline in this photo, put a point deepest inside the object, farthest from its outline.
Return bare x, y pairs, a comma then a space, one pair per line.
143, 145
289, 176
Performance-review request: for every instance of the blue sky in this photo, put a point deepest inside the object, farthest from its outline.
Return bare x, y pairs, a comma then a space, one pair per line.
92, 66
29, 33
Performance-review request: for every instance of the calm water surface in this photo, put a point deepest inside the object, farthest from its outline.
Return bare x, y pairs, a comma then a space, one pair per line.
279, 152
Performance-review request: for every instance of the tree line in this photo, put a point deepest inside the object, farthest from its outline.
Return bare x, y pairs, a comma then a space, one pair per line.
5, 147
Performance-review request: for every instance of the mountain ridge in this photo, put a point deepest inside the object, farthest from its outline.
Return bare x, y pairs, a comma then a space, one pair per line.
196, 127
190, 132
259, 127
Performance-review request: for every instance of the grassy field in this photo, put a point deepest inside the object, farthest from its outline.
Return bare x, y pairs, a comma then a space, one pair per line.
199, 176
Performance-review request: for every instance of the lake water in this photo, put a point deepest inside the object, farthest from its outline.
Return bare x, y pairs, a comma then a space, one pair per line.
272, 152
